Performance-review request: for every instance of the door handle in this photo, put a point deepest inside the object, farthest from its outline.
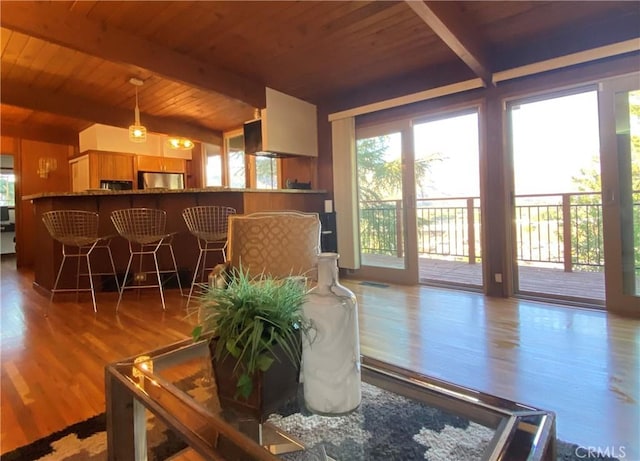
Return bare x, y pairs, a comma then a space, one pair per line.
609, 197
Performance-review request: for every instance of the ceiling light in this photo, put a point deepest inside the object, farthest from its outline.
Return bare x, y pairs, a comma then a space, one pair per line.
137, 132
180, 143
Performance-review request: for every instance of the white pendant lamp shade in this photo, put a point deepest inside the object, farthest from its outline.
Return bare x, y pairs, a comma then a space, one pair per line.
137, 132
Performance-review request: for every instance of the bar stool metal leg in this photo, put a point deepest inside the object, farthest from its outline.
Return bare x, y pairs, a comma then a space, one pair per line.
55, 284
144, 229
126, 274
93, 291
80, 254
155, 260
195, 273
175, 267
209, 225
113, 266
141, 252
77, 230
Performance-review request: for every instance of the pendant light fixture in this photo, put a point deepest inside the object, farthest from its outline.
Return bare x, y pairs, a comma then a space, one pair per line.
177, 143
137, 132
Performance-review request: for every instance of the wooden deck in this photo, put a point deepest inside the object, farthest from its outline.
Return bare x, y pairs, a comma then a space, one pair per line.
533, 280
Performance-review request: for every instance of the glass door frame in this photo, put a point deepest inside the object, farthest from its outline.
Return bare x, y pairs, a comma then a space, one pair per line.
547, 94
447, 113
409, 274
616, 299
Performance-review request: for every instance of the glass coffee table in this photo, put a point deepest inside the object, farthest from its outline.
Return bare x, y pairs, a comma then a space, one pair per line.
402, 416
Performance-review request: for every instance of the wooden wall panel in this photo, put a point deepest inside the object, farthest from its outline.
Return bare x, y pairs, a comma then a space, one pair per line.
301, 169
31, 183
8, 145
196, 168
270, 201
324, 165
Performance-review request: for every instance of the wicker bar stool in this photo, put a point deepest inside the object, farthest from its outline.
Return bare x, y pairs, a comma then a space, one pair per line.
144, 229
209, 225
77, 231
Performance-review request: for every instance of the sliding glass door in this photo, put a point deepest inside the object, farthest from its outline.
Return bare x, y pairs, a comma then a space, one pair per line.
619, 105
419, 200
385, 195
447, 175
576, 160
557, 207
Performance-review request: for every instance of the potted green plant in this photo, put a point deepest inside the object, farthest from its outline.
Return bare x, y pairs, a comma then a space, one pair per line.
256, 325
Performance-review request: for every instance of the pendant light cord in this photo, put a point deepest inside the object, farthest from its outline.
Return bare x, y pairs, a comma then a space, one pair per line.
137, 111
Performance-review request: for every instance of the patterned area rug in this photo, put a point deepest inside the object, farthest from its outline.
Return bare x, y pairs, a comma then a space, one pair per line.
87, 441
389, 427
385, 427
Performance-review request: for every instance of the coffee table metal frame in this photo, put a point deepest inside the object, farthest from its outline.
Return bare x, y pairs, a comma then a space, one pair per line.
521, 431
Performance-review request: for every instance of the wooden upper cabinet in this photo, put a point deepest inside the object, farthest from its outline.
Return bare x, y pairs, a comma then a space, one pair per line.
91, 167
161, 164
115, 166
149, 163
175, 165
80, 174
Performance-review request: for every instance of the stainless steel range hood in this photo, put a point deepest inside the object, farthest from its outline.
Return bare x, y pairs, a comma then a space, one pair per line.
287, 127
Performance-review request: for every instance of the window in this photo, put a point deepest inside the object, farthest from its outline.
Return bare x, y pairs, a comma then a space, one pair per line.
245, 171
7, 189
214, 165
236, 169
266, 173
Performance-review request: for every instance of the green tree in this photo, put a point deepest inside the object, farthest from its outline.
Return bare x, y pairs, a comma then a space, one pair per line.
587, 247
379, 187
7, 189
266, 173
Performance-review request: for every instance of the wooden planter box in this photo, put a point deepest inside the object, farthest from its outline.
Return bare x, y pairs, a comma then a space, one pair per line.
271, 389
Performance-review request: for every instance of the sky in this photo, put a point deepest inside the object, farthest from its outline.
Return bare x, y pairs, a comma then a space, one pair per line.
455, 141
552, 141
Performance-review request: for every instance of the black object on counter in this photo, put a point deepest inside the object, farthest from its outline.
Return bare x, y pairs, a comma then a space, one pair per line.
298, 185
328, 236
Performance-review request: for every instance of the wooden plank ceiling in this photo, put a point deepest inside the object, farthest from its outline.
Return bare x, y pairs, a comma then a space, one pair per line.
66, 65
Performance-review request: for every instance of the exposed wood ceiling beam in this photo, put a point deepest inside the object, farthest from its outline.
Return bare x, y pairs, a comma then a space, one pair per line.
596, 54
446, 24
16, 94
53, 22
409, 99
55, 135
602, 52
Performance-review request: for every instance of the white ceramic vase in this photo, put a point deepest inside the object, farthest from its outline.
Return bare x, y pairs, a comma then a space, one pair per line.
331, 352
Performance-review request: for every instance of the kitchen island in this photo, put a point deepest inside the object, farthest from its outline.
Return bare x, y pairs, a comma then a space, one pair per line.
245, 201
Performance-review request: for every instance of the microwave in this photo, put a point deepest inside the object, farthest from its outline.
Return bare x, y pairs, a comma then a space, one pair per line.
115, 185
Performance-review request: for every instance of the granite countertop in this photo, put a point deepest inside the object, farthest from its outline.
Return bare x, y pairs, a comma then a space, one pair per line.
100, 192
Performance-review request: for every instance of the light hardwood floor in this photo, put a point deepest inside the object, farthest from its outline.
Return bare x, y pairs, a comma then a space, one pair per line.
582, 364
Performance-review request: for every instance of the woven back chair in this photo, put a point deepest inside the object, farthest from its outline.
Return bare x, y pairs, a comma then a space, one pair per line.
145, 230
77, 231
209, 224
279, 244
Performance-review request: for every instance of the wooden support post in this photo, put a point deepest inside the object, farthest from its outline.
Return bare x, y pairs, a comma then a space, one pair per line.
471, 231
566, 232
399, 231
